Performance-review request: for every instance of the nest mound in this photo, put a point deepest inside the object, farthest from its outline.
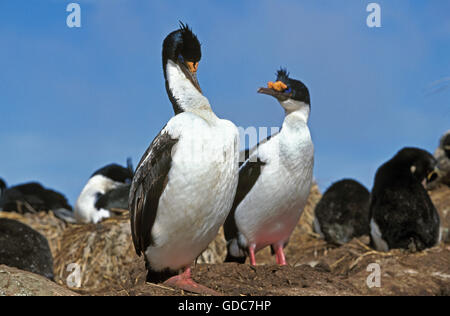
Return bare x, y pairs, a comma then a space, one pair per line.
99, 252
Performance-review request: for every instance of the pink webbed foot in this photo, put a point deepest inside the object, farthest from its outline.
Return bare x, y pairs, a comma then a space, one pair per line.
184, 282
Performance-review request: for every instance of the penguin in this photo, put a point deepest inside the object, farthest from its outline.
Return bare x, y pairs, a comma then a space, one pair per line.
107, 188
33, 197
24, 248
185, 183
402, 214
275, 181
343, 212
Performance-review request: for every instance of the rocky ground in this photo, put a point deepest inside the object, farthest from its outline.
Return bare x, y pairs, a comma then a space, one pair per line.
315, 267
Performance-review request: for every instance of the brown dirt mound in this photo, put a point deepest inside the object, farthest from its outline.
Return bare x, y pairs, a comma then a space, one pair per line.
342, 271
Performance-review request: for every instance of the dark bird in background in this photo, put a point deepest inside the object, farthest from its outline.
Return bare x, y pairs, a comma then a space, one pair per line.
185, 183
33, 197
275, 180
402, 214
24, 248
343, 212
107, 189
2, 188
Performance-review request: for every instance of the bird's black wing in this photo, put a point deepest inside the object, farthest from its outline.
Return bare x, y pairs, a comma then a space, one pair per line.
147, 186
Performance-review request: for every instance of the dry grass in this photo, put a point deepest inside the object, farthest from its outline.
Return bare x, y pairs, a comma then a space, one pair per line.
101, 251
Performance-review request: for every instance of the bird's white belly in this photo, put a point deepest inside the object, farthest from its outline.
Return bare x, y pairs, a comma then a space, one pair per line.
269, 213
375, 232
196, 201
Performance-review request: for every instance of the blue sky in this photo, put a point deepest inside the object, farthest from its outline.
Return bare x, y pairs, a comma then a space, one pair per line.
75, 99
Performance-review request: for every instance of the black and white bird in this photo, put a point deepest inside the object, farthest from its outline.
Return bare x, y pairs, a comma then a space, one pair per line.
107, 188
275, 181
185, 184
343, 212
33, 197
402, 214
24, 248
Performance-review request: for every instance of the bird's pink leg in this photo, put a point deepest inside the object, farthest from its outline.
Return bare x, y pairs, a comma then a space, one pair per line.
251, 250
184, 281
279, 253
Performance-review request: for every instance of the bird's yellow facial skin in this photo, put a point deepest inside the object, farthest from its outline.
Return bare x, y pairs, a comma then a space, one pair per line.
193, 67
434, 173
277, 86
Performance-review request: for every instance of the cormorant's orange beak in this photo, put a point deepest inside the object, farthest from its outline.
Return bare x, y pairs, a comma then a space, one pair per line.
193, 67
276, 89
277, 86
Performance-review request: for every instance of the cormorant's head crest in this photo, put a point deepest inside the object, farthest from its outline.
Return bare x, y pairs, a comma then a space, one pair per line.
191, 47
283, 75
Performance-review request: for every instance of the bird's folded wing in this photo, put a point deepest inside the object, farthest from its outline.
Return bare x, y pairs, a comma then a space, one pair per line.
147, 187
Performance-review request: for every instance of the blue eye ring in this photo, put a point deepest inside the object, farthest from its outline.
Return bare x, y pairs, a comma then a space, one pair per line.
288, 90
181, 58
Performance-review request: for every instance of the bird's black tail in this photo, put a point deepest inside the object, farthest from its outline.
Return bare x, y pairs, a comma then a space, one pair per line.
158, 276
231, 258
235, 253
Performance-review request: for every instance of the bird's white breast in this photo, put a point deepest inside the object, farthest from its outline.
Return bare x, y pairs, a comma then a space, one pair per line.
271, 210
200, 190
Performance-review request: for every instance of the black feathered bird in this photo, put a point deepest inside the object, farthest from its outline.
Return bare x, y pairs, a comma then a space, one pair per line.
402, 214
32, 197
24, 248
343, 212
